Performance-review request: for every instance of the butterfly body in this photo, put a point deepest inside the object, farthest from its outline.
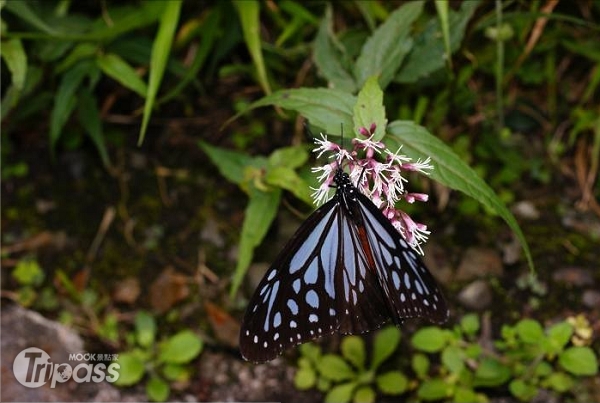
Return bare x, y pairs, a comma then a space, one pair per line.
346, 270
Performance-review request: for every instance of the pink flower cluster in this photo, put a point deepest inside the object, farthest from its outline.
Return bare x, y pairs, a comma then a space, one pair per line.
382, 182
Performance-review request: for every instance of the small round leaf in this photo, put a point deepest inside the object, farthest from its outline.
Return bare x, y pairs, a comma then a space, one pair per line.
181, 348
430, 339
392, 383
335, 368
579, 361
340, 393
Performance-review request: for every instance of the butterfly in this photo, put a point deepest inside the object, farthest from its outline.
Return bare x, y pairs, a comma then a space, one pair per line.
347, 270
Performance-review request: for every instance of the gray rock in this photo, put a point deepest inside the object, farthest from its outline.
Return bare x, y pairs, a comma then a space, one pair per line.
22, 329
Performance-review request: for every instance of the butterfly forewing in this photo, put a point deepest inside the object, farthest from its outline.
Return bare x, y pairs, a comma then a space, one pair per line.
345, 270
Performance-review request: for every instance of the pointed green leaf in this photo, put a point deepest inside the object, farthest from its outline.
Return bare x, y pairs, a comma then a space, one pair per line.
23, 10
450, 170
353, 349
114, 66
385, 50
328, 58
89, 117
248, 12
145, 329
260, 213
429, 54
385, 343
369, 109
231, 164
15, 58
65, 99
289, 180
323, 107
160, 55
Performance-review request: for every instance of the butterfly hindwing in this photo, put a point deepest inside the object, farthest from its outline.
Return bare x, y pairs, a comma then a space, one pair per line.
405, 280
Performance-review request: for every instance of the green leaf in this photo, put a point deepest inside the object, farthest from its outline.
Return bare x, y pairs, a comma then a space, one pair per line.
429, 339
124, 19
467, 395
288, 179
289, 157
392, 383
530, 331
335, 368
209, 34
260, 212
145, 329
65, 99
453, 359
364, 394
522, 390
433, 389
328, 59
28, 272
385, 50
157, 390
491, 372
385, 343
89, 118
176, 372
559, 335
114, 66
450, 170
369, 109
470, 324
23, 10
311, 351
323, 107
340, 393
579, 361
180, 348
158, 60
420, 364
79, 52
305, 378
231, 164
131, 368
429, 54
353, 349
559, 381
15, 58
248, 12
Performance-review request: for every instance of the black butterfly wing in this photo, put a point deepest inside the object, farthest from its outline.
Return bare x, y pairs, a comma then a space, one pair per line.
408, 286
319, 284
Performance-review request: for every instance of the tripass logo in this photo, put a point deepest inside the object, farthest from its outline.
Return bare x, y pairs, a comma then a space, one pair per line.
33, 368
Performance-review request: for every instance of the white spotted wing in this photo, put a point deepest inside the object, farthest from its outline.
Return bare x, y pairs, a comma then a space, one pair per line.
345, 270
